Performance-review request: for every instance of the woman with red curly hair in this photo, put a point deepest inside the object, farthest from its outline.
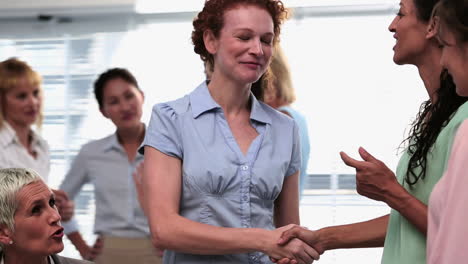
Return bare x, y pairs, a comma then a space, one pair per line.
220, 180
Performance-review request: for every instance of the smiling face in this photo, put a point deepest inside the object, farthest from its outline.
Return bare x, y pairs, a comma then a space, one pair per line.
410, 34
37, 222
243, 49
21, 105
454, 58
122, 103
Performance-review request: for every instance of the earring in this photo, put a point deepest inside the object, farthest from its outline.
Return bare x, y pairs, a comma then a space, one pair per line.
11, 242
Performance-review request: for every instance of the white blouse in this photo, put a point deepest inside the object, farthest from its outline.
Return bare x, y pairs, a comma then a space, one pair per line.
14, 155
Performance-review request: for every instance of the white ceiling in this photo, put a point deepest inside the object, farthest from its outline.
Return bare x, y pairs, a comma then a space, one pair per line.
28, 8
33, 8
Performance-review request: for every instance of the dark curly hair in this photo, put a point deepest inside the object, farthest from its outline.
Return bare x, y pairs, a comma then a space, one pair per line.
432, 116
109, 75
212, 18
430, 120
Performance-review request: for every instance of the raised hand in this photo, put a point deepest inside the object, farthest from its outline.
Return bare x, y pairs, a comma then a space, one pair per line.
65, 206
373, 178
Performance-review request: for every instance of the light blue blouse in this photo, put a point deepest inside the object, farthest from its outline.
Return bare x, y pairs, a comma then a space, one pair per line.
220, 185
104, 163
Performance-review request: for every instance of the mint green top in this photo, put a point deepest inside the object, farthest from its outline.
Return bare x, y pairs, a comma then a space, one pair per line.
404, 244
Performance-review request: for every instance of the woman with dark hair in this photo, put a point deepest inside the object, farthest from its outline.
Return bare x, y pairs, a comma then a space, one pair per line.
219, 176
403, 232
108, 164
447, 233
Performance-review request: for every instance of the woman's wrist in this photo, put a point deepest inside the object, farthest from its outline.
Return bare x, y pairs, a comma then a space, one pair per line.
398, 198
259, 239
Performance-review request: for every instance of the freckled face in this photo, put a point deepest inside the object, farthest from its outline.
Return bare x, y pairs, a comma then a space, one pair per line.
244, 47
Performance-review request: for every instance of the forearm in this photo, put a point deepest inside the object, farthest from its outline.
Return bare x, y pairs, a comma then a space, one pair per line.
79, 243
181, 234
358, 235
409, 206
170, 230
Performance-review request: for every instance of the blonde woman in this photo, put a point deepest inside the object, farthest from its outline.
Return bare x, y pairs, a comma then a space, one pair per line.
21, 104
21, 108
279, 93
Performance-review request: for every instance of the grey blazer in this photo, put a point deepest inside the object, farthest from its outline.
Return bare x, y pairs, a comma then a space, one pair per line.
62, 260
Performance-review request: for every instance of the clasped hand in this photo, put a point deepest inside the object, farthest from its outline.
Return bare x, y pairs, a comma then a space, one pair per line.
291, 248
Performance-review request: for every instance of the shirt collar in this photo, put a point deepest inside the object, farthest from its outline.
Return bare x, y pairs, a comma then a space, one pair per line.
9, 136
113, 143
201, 102
258, 112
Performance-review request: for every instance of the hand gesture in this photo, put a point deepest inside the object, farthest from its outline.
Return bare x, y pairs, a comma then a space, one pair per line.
308, 236
65, 206
373, 178
293, 252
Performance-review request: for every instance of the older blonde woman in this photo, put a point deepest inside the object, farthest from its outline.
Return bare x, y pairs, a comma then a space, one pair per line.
30, 230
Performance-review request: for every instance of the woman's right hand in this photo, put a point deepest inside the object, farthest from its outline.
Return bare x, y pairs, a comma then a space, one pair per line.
91, 253
296, 250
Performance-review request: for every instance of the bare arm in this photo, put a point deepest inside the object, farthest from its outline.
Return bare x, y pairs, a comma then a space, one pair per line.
287, 212
408, 206
358, 235
162, 190
376, 181
287, 204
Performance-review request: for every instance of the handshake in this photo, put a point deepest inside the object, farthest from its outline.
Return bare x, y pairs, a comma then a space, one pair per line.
296, 245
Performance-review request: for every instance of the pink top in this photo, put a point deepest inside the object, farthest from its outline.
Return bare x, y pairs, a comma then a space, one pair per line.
447, 238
